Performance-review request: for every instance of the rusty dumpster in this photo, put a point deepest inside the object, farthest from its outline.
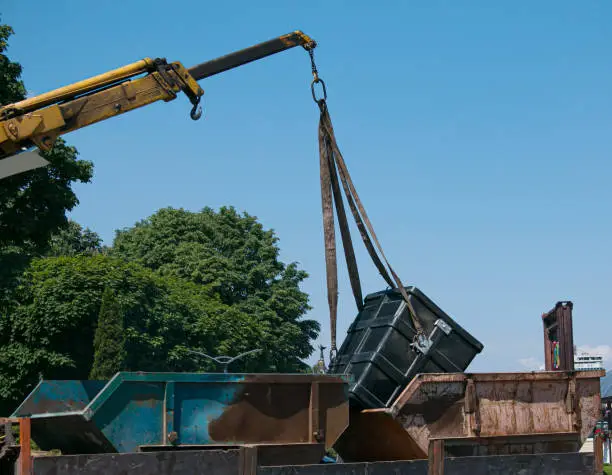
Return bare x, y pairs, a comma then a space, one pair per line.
478, 414
143, 411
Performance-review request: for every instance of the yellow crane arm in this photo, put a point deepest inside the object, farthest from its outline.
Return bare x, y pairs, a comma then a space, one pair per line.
40, 120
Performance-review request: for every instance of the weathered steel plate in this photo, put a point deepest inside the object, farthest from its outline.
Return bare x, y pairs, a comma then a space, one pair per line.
265, 454
228, 463
165, 463
560, 408
136, 409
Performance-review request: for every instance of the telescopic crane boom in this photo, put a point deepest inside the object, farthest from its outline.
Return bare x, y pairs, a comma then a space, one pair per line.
39, 121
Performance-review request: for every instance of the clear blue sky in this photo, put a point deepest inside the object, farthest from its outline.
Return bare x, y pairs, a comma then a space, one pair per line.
477, 132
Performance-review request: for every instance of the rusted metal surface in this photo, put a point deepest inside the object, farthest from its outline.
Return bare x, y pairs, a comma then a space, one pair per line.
135, 409
25, 446
373, 435
417, 467
237, 462
436, 457
540, 464
559, 338
266, 454
163, 463
598, 455
248, 460
511, 445
61, 396
284, 412
290, 454
559, 408
265, 413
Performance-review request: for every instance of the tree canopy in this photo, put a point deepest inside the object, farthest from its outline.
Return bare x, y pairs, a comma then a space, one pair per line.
238, 260
74, 240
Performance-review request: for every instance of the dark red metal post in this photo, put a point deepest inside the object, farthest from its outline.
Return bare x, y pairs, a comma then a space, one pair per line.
25, 443
436, 457
559, 338
313, 414
598, 463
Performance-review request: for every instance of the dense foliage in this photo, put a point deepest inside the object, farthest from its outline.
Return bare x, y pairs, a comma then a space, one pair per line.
238, 260
109, 339
73, 240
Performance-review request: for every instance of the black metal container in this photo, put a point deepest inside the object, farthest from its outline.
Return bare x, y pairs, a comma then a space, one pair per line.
380, 354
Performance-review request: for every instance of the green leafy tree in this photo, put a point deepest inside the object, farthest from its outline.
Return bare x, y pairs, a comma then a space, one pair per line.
109, 339
239, 260
70, 241
13, 262
74, 240
33, 204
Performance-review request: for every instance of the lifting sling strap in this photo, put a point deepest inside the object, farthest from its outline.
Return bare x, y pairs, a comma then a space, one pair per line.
334, 171
332, 162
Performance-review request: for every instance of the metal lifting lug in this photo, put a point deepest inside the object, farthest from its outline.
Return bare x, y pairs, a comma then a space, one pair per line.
421, 343
442, 325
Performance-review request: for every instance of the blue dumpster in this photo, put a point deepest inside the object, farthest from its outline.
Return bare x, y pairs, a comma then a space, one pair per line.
134, 410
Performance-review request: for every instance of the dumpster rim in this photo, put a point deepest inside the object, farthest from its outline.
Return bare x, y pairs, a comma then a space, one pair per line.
518, 376
214, 378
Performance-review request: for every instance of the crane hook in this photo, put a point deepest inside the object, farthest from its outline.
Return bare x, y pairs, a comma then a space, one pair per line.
196, 110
